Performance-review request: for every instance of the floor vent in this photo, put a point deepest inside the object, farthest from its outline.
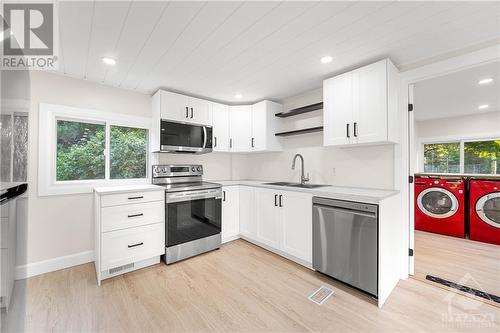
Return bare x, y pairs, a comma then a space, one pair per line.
120, 268
463, 288
321, 295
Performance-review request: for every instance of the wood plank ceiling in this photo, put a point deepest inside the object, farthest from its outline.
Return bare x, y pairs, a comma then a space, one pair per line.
259, 49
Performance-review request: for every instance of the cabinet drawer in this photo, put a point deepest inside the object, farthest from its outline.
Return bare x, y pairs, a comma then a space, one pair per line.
133, 215
132, 197
126, 246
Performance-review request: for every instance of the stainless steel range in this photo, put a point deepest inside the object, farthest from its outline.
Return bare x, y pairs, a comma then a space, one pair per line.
193, 210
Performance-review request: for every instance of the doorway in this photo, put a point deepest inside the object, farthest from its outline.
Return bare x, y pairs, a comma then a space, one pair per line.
454, 158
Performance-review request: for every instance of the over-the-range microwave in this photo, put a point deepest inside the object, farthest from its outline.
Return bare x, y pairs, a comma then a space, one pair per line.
178, 137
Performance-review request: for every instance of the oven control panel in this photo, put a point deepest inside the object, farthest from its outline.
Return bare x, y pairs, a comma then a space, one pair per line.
177, 170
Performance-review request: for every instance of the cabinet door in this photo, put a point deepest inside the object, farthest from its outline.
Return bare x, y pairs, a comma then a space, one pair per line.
220, 123
174, 106
259, 126
268, 217
230, 212
248, 227
199, 111
370, 103
297, 225
337, 110
240, 128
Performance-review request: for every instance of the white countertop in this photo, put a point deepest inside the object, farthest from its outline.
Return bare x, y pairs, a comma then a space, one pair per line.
358, 194
127, 188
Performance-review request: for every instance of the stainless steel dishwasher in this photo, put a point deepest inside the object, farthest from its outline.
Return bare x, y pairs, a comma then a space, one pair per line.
345, 242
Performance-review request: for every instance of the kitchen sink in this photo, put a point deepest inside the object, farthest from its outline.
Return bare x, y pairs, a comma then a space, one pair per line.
296, 185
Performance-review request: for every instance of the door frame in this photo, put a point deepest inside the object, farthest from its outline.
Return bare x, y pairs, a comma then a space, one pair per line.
405, 167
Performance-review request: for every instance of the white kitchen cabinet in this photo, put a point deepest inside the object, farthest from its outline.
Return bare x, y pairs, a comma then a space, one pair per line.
240, 128
297, 225
230, 213
248, 227
360, 106
268, 217
129, 228
220, 123
264, 126
182, 108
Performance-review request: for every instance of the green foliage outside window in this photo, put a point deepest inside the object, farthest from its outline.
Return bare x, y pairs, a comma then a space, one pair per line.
442, 157
81, 146
482, 157
80, 151
128, 152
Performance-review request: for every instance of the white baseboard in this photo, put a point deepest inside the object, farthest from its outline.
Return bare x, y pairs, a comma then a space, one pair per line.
230, 238
55, 264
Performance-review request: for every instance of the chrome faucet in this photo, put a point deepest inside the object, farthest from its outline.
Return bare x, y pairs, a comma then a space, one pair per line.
303, 179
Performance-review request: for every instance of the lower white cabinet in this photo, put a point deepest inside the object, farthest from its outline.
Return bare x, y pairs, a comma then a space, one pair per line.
129, 228
279, 220
230, 213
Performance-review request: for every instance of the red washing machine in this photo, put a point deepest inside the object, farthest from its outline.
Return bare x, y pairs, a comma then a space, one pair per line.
439, 206
484, 220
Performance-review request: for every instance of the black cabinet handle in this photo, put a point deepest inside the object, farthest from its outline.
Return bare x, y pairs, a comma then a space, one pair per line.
215, 141
253, 146
192, 113
281, 200
230, 143
275, 200
187, 112
135, 215
348, 131
135, 198
223, 195
355, 129
135, 245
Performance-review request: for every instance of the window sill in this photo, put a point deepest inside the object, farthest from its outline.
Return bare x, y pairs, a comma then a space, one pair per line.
86, 186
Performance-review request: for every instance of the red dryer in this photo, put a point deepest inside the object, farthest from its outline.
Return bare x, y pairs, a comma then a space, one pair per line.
439, 206
484, 218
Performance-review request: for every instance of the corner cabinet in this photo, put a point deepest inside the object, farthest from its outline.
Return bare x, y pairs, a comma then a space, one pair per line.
360, 107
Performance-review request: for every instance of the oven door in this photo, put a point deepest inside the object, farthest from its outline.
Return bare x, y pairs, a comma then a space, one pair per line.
185, 138
192, 215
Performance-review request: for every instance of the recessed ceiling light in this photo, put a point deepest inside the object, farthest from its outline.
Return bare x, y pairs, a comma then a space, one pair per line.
486, 80
109, 61
238, 96
326, 59
482, 107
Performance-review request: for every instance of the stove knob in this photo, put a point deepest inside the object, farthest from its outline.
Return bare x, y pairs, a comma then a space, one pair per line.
198, 168
193, 169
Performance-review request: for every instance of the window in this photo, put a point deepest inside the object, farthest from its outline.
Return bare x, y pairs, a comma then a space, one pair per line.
475, 157
442, 157
80, 149
14, 147
482, 157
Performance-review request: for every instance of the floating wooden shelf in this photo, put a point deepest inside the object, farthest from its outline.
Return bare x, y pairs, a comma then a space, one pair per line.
304, 109
301, 131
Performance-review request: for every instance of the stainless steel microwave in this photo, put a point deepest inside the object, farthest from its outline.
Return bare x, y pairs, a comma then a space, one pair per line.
176, 137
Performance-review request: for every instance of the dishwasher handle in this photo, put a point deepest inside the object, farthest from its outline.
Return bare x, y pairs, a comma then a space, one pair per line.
351, 206
347, 210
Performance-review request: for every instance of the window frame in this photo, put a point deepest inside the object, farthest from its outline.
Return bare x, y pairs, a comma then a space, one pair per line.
453, 139
49, 114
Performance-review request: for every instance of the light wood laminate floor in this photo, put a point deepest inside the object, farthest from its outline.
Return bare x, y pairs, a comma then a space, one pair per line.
239, 288
471, 263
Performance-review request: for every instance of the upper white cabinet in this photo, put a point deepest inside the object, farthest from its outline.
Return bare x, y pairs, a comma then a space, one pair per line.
240, 128
360, 107
182, 108
220, 123
264, 126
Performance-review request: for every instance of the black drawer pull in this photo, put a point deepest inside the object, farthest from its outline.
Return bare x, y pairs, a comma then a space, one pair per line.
136, 215
134, 245
135, 198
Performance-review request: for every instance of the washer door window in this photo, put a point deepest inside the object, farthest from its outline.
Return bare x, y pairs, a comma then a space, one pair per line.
437, 202
488, 209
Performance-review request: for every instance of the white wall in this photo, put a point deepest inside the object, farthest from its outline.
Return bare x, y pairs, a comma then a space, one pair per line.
361, 166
